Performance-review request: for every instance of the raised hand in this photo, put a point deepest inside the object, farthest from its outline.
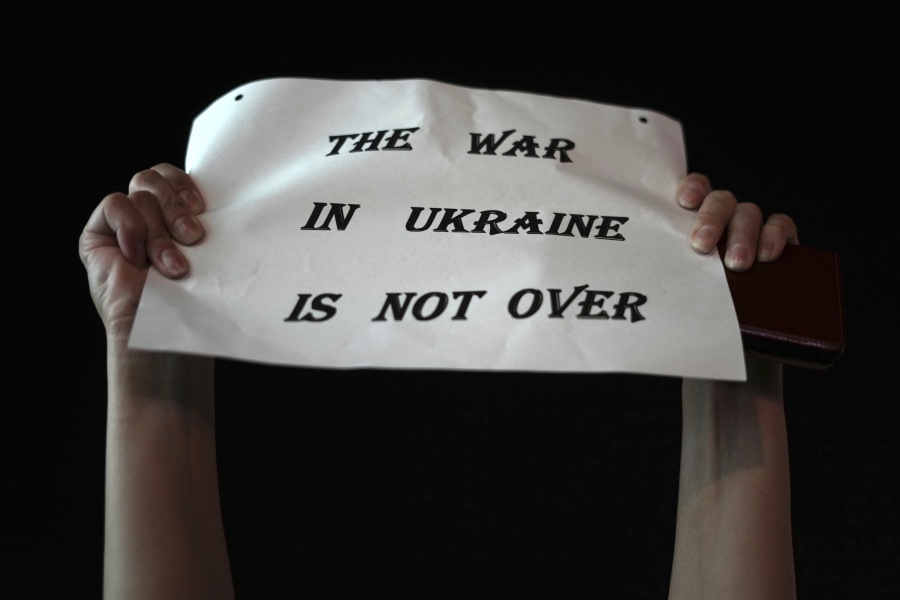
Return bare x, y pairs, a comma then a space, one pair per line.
129, 232
748, 237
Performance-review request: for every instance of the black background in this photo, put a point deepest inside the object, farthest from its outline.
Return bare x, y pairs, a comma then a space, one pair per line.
369, 483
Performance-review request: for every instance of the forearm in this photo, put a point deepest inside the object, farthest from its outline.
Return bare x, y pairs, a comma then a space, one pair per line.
733, 528
164, 535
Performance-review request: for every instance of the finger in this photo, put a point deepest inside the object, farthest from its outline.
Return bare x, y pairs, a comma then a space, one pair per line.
778, 231
713, 216
161, 249
692, 189
743, 235
115, 221
177, 216
183, 185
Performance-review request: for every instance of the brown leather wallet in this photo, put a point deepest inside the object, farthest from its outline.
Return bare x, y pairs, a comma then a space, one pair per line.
792, 309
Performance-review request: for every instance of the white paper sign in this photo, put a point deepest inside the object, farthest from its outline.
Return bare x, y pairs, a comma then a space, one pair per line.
415, 224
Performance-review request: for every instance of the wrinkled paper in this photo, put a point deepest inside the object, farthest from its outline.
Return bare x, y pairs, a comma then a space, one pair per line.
555, 242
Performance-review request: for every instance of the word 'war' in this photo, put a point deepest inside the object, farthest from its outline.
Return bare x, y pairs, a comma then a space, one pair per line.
479, 144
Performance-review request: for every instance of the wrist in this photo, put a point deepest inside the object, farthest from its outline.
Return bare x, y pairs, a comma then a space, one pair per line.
139, 377
764, 383
728, 425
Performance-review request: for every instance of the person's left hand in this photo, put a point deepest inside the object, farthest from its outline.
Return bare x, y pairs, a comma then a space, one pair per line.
748, 238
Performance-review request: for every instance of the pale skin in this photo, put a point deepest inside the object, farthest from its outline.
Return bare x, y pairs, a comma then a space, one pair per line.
163, 527
733, 526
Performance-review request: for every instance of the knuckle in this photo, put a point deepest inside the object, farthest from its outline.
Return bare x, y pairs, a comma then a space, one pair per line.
782, 223
143, 199
782, 220
699, 179
709, 218
751, 210
747, 220
114, 201
692, 190
172, 175
720, 204
142, 180
724, 197
158, 240
82, 254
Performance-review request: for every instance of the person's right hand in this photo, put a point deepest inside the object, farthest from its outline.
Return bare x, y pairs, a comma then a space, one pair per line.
128, 233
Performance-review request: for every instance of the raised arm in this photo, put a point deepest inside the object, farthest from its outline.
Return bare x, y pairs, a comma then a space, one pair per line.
733, 526
163, 524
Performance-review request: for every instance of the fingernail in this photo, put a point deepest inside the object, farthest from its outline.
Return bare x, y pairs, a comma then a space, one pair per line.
738, 257
704, 239
766, 250
188, 229
191, 200
174, 262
